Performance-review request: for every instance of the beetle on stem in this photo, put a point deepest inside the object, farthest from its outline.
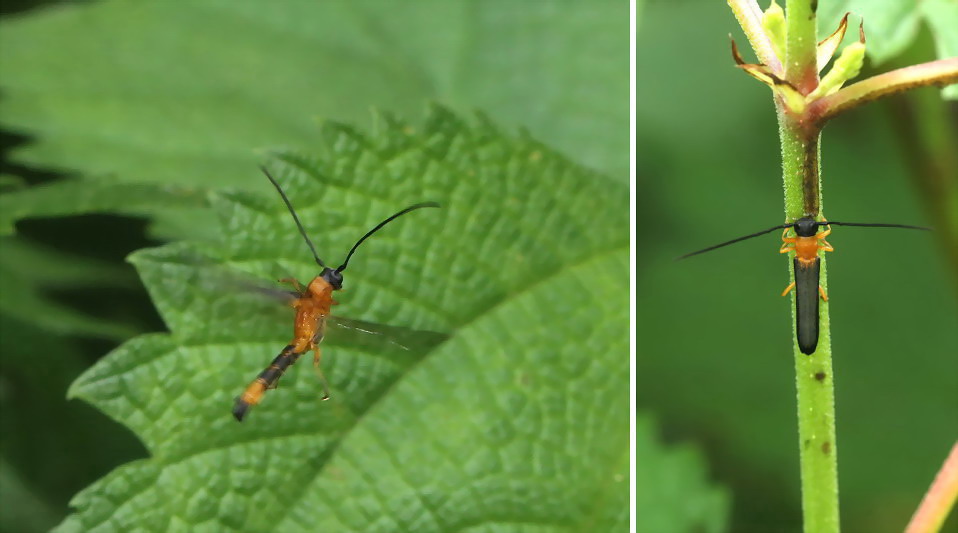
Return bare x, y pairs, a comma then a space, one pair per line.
807, 268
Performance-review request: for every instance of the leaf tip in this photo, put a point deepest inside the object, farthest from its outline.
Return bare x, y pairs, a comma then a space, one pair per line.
736, 56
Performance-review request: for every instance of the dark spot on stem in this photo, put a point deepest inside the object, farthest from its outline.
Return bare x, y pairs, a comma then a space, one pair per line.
820, 376
806, 443
826, 447
814, 6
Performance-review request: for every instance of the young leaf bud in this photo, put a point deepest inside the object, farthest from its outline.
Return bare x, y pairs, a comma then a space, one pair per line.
773, 21
846, 67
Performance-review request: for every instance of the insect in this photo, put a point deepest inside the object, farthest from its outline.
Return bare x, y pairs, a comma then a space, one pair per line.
312, 304
807, 267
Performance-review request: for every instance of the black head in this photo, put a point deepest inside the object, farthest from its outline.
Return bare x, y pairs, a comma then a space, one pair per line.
333, 277
806, 227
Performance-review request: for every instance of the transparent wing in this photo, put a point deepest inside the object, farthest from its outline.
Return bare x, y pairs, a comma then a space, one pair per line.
270, 293
379, 338
360, 328
271, 305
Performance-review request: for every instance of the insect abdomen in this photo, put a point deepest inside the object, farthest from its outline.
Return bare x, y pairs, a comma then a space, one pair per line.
806, 304
266, 380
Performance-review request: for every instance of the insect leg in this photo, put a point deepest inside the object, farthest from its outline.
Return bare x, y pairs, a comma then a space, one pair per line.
788, 243
319, 371
789, 288
294, 282
823, 244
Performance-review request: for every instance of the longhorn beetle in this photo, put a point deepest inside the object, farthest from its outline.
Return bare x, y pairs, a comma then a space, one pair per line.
807, 266
312, 304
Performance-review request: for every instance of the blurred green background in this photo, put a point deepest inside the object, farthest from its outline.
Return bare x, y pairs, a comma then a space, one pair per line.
714, 355
714, 367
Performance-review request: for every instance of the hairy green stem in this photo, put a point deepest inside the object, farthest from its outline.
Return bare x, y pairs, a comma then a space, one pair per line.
813, 373
801, 45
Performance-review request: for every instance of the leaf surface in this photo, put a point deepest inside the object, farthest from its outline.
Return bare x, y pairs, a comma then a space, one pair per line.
508, 411
76, 196
30, 272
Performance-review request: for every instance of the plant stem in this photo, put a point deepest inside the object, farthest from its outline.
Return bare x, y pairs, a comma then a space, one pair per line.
800, 139
813, 373
940, 498
801, 41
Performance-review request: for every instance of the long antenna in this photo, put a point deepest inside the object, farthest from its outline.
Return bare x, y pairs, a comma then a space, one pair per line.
295, 218
873, 225
783, 226
380, 225
733, 241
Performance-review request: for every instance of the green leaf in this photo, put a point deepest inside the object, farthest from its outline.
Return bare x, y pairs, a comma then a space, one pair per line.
10, 183
29, 271
669, 492
200, 88
513, 412
942, 18
892, 25
22, 509
37, 477
73, 197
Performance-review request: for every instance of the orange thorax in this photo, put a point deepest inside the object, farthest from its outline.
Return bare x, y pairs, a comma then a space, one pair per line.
312, 308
